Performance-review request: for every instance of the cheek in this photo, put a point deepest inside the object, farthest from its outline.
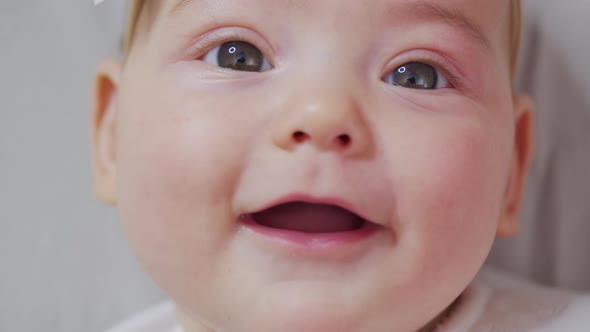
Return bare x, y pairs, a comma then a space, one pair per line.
179, 159
449, 179
459, 198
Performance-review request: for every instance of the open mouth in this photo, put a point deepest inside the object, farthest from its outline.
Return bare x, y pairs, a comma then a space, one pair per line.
309, 218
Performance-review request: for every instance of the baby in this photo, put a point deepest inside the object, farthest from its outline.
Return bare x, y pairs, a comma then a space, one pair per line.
331, 166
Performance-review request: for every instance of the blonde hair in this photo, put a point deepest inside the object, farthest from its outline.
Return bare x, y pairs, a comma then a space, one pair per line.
132, 19
515, 27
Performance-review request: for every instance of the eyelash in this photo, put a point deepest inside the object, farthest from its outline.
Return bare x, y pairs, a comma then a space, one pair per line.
216, 38
440, 65
204, 46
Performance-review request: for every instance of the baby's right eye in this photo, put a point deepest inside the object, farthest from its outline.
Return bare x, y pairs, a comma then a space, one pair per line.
238, 55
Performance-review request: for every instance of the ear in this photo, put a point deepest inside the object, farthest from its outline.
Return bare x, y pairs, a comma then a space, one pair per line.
521, 159
103, 129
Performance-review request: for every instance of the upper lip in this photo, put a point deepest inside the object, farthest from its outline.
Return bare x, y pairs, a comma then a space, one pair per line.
328, 200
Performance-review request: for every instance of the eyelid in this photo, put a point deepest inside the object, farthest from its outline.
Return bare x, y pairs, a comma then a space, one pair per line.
439, 63
217, 37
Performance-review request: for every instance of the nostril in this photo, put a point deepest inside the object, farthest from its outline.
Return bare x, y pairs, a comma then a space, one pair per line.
344, 139
299, 136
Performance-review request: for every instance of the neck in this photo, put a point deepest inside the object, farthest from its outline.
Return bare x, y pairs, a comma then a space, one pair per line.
440, 319
190, 325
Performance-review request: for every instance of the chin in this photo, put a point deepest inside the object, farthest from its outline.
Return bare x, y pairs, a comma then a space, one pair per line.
306, 319
314, 309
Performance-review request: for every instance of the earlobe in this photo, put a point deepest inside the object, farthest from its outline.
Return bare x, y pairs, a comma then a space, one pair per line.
507, 227
103, 129
521, 158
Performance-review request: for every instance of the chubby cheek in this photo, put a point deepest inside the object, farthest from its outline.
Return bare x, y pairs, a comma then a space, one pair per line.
179, 158
449, 178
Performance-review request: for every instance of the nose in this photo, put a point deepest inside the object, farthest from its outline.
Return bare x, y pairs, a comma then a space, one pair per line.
329, 120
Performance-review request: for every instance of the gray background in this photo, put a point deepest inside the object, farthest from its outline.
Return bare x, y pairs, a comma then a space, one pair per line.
64, 263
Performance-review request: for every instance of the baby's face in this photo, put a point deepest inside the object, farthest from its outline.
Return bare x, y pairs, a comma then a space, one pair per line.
314, 165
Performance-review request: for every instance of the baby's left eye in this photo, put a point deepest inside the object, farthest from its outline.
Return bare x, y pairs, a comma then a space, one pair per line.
417, 75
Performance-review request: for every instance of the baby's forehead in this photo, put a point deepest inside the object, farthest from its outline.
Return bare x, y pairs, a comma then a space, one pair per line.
479, 20
467, 10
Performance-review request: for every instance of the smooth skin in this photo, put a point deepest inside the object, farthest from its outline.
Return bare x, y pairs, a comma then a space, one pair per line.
183, 148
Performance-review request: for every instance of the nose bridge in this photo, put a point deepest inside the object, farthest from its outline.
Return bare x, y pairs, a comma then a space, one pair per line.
327, 115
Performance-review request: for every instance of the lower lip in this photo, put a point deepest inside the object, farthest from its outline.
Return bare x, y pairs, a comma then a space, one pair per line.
313, 241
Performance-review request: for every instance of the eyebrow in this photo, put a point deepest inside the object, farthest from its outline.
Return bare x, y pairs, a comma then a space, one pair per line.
450, 16
424, 10
179, 6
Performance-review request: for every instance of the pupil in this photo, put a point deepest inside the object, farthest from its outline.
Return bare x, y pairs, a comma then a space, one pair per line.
239, 55
415, 75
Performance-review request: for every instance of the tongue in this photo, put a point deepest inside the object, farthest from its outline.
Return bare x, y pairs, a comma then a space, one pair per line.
309, 218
